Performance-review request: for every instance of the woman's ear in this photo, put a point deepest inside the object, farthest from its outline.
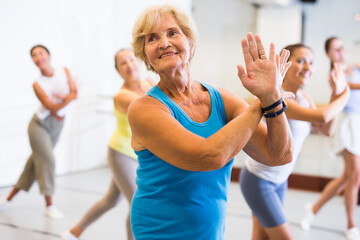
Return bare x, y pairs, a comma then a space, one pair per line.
192, 50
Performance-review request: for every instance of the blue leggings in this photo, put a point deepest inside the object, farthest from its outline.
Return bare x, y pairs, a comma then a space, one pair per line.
265, 198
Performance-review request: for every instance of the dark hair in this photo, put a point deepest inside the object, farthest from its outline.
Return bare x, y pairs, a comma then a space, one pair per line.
41, 46
328, 42
122, 49
327, 48
293, 47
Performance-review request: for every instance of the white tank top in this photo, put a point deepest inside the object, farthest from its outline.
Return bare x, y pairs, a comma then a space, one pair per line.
54, 87
279, 174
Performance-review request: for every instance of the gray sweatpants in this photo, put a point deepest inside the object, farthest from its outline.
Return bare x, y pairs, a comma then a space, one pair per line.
123, 169
43, 135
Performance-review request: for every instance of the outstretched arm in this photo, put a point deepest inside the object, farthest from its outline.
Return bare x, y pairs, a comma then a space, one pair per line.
339, 97
323, 118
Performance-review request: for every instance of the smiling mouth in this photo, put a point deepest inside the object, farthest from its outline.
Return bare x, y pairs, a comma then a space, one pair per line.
167, 55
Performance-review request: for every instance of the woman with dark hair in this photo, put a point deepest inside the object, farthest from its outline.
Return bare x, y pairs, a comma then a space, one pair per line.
55, 89
268, 184
347, 143
121, 157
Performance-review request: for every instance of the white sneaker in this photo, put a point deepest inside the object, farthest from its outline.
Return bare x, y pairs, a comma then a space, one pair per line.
52, 212
352, 234
67, 235
3, 203
305, 222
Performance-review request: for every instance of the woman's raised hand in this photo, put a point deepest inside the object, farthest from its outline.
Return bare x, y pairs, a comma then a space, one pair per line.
263, 77
337, 80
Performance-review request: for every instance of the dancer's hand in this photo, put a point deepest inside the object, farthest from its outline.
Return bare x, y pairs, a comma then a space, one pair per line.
263, 77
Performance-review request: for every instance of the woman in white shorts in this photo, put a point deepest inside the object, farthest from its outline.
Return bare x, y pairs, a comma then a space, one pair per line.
347, 142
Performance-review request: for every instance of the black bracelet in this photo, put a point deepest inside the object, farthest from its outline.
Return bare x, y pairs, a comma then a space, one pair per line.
275, 114
274, 105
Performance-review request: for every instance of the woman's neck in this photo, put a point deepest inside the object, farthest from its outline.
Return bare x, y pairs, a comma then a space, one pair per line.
47, 71
290, 87
175, 83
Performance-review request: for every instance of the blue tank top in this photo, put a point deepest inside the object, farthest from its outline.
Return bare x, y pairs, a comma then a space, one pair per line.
353, 104
172, 203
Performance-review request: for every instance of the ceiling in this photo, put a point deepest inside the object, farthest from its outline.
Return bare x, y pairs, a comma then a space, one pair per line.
270, 2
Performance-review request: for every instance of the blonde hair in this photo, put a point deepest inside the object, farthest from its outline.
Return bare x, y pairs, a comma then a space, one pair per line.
151, 17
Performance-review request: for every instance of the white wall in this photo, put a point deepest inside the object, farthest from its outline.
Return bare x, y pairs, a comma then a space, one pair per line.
221, 26
280, 25
223, 23
324, 19
82, 35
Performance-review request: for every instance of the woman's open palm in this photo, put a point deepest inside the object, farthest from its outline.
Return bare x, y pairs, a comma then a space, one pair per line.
263, 77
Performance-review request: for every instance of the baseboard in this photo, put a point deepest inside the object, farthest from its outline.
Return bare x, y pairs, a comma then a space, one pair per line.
296, 181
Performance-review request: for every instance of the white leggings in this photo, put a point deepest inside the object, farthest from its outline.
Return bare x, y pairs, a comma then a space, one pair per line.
122, 184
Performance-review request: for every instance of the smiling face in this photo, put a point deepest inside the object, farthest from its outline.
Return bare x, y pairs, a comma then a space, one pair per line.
166, 46
336, 51
301, 67
127, 65
40, 57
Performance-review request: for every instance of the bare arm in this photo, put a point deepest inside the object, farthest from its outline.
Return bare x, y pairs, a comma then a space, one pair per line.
271, 144
354, 86
149, 120
50, 105
123, 99
174, 144
349, 71
323, 118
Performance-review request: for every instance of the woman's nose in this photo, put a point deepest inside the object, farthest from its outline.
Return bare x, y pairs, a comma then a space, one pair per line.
307, 65
164, 42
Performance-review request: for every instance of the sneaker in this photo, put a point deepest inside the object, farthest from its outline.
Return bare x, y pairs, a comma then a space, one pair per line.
352, 234
52, 212
3, 203
305, 222
67, 235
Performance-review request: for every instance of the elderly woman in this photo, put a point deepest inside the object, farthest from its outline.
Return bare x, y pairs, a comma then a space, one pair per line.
186, 133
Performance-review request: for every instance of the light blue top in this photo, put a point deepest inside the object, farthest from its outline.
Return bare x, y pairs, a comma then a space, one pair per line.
353, 104
172, 203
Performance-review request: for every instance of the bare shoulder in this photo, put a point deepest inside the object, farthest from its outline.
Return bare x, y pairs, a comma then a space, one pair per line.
229, 96
124, 93
146, 106
234, 105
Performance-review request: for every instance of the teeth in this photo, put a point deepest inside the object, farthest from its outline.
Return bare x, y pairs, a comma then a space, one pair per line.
168, 54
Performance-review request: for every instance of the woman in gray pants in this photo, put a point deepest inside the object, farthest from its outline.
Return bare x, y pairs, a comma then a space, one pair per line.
121, 157
55, 89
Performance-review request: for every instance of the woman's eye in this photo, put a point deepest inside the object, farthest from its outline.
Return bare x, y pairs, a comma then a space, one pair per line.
150, 39
173, 33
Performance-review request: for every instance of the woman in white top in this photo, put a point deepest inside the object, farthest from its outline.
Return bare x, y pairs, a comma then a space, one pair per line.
347, 143
55, 89
269, 184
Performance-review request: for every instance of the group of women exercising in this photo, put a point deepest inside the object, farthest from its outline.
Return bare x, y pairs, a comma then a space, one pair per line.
172, 152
